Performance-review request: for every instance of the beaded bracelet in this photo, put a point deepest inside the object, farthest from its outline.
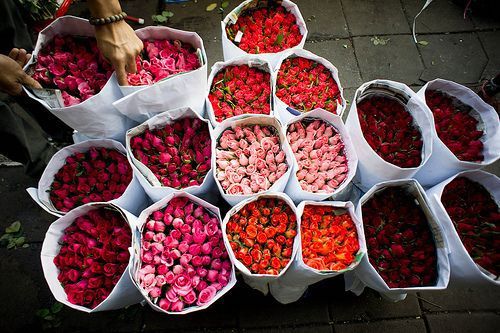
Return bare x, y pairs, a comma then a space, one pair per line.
107, 20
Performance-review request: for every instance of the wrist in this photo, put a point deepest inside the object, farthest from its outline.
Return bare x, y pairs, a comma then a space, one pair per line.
104, 8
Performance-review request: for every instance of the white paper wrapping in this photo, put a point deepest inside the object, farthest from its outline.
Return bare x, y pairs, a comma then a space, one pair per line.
230, 50
136, 252
133, 199
443, 163
263, 120
292, 285
372, 169
464, 271
96, 117
260, 282
123, 294
285, 112
251, 61
152, 186
365, 274
293, 188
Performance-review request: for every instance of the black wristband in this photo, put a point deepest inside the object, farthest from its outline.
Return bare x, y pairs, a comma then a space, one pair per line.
107, 20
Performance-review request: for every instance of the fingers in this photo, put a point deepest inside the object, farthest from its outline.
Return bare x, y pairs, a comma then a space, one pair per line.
13, 53
121, 73
20, 56
131, 65
30, 82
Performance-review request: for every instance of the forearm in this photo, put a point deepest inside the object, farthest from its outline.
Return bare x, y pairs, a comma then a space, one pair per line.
104, 8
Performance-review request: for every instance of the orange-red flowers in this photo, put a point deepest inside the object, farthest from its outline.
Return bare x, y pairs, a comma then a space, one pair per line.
329, 238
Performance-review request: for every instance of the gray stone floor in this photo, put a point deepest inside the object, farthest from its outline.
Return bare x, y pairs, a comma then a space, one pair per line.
466, 51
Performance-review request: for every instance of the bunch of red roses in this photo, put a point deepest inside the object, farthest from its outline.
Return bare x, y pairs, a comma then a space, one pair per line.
455, 126
269, 29
329, 238
401, 247
305, 84
238, 90
93, 256
100, 174
390, 130
476, 218
74, 65
161, 59
261, 235
178, 154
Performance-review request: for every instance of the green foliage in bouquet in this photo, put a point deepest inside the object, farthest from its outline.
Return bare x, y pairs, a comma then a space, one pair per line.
39, 10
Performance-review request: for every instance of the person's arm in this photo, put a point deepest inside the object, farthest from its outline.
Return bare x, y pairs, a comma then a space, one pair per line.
13, 77
117, 41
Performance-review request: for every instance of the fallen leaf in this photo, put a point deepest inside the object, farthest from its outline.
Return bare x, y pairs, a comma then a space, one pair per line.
13, 228
225, 4
211, 7
423, 42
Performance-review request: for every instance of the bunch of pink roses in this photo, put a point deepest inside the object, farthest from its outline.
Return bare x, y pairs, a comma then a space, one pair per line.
161, 59
319, 151
249, 159
184, 260
74, 65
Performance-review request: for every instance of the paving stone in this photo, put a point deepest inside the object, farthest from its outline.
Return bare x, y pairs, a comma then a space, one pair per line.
372, 17
492, 49
341, 54
456, 299
494, 168
393, 326
397, 60
463, 322
455, 57
301, 329
487, 17
324, 18
440, 16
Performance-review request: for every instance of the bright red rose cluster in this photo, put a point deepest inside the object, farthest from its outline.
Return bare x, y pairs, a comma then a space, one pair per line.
390, 131
265, 30
261, 235
238, 90
178, 154
305, 85
74, 65
161, 59
93, 256
400, 243
100, 174
329, 238
455, 126
476, 218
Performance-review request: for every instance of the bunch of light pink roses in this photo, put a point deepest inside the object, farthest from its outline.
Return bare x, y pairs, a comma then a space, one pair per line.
184, 262
249, 159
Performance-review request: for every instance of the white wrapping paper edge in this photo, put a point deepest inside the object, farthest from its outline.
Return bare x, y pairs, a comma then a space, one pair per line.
286, 113
230, 50
365, 274
136, 251
258, 281
292, 285
123, 294
263, 120
443, 163
147, 179
133, 199
251, 61
293, 188
372, 169
463, 269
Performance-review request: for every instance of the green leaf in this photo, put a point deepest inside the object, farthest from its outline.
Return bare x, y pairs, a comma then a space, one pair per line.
167, 13
6, 237
42, 313
56, 307
279, 39
224, 4
49, 317
13, 228
11, 245
159, 18
211, 7
423, 42
20, 241
25, 246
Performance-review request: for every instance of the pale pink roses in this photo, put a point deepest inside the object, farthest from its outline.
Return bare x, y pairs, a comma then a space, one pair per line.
319, 151
249, 159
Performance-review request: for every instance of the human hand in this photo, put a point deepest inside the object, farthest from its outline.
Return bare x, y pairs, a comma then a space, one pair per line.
13, 77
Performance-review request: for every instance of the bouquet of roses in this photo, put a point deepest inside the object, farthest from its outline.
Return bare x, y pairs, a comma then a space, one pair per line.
181, 263
263, 27
326, 160
240, 86
90, 171
251, 156
85, 258
405, 247
171, 151
306, 82
391, 131
261, 234
467, 207
466, 131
